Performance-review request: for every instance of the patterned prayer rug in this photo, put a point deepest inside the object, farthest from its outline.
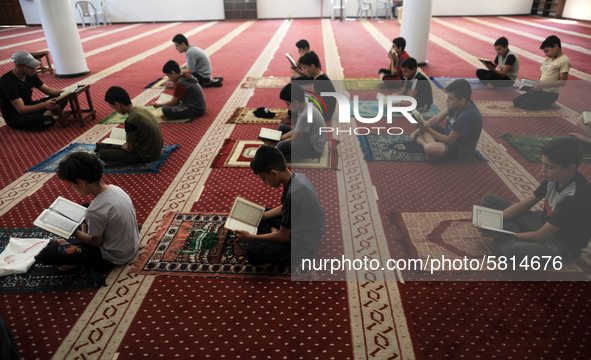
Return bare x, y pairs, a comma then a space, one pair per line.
266, 82
369, 109
43, 277
396, 148
363, 84
506, 108
157, 84
197, 244
530, 146
116, 118
450, 234
50, 164
475, 83
239, 153
245, 115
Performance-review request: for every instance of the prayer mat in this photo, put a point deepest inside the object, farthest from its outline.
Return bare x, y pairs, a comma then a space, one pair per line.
40, 277
475, 83
369, 109
397, 148
244, 115
50, 164
506, 108
450, 234
530, 146
197, 244
266, 82
157, 84
363, 84
116, 118
239, 153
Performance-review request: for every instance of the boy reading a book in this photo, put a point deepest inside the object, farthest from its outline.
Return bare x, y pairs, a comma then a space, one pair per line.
305, 140
198, 63
457, 141
109, 235
292, 230
303, 47
16, 90
416, 85
554, 72
142, 132
393, 74
563, 228
310, 64
187, 101
508, 63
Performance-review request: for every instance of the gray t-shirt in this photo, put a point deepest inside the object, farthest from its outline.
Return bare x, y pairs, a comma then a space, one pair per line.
198, 60
112, 214
311, 130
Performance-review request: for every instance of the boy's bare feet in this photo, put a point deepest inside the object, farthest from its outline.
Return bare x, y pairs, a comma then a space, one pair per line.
164, 118
66, 267
490, 86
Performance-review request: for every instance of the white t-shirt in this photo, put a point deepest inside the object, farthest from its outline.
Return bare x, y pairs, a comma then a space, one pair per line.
552, 68
112, 214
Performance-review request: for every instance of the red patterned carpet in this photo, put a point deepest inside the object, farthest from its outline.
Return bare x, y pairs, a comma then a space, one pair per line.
146, 316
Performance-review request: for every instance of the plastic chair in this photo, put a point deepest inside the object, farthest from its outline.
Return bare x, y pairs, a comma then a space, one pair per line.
364, 7
100, 11
337, 8
386, 6
87, 10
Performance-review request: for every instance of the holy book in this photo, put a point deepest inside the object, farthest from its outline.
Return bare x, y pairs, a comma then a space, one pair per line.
62, 218
245, 215
117, 137
291, 60
488, 219
270, 134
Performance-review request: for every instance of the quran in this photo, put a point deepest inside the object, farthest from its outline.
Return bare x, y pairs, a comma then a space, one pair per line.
488, 219
587, 118
486, 61
117, 137
291, 60
62, 218
245, 215
526, 84
270, 134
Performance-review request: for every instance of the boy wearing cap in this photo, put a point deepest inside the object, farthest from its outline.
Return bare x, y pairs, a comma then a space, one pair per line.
16, 90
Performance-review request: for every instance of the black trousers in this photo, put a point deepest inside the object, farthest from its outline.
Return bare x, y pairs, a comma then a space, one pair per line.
536, 100
33, 120
268, 252
487, 76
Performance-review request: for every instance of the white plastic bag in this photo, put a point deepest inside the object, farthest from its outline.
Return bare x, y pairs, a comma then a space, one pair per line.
19, 255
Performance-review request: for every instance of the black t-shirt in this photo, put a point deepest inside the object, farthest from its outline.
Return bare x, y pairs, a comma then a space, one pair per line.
323, 84
568, 209
11, 88
420, 83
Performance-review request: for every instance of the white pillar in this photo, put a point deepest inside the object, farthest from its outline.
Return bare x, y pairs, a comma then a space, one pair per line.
61, 33
416, 23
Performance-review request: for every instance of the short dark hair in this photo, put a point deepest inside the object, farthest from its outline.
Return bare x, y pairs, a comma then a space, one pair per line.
117, 94
310, 58
409, 63
171, 66
180, 39
303, 44
461, 88
399, 42
292, 92
268, 158
502, 41
80, 166
550, 41
563, 151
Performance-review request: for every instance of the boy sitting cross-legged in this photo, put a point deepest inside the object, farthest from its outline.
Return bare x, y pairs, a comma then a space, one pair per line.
292, 230
109, 234
187, 101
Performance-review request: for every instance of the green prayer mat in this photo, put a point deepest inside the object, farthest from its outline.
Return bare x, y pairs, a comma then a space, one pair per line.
116, 118
530, 146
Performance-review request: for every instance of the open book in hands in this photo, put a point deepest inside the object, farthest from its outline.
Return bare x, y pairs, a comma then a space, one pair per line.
245, 215
62, 218
117, 137
488, 219
526, 84
394, 56
419, 118
291, 60
270, 134
486, 62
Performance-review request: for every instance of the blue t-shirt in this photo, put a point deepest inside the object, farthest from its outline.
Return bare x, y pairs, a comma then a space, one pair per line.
468, 123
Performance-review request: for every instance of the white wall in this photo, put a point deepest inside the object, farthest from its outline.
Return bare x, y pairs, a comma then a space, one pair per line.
144, 10
577, 9
272, 9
